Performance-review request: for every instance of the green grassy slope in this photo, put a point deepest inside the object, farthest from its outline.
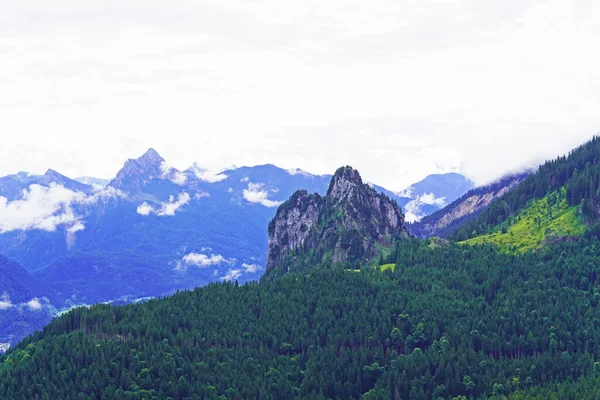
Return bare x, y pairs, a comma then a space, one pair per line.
544, 220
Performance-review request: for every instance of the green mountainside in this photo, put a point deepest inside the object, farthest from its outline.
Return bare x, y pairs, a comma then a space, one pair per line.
543, 221
575, 178
514, 314
447, 322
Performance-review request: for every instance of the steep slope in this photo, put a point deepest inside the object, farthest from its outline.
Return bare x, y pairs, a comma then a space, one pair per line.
446, 220
447, 323
53, 177
345, 227
577, 174
137, 173
24, 302
18, 285
543, 221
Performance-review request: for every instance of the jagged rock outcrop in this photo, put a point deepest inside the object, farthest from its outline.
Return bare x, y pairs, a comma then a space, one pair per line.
446, 220
347, 226
138, 172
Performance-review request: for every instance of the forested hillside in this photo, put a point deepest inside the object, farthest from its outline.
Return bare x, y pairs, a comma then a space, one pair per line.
578, 174
422, 319
448, 321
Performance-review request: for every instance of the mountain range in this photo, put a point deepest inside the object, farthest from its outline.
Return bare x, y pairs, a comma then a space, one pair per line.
353, 307
153, 229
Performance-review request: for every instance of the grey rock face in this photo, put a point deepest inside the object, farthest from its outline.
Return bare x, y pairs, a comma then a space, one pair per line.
348, 225
292, 226
138, 172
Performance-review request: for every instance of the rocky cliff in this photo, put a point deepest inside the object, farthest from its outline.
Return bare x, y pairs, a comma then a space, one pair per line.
348, 226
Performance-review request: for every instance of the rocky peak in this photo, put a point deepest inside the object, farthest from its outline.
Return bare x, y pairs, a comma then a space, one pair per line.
151, 157
53, 177
345, 184
138, 172
348, 226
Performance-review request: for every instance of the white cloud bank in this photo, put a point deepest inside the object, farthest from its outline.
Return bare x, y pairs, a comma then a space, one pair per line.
399, 92
413, 209
35, 304
232, 274
5, 302
172, 174
255, 193
201, 260
166, 208
206, 175
251, 268
47, 208
44, 208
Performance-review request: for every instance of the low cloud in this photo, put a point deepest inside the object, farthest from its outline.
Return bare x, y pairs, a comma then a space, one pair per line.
179, 178
145, 209
43, 208
34, 304
172, 174
5, 302
76, 228
255, 193
104, 193
166, 208
206, 175
49, 207
429, 198
201, 260
232, 274
413, 209
251, 268
408, 192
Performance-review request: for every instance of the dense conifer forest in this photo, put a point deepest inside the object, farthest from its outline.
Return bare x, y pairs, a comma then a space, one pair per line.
449, 321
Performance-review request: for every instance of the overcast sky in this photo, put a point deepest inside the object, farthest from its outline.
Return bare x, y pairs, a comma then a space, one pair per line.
396, 88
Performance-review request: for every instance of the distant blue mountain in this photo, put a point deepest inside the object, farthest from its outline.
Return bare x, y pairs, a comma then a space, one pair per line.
21, 301
434, 193
448, 186
154, 229
12, 186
